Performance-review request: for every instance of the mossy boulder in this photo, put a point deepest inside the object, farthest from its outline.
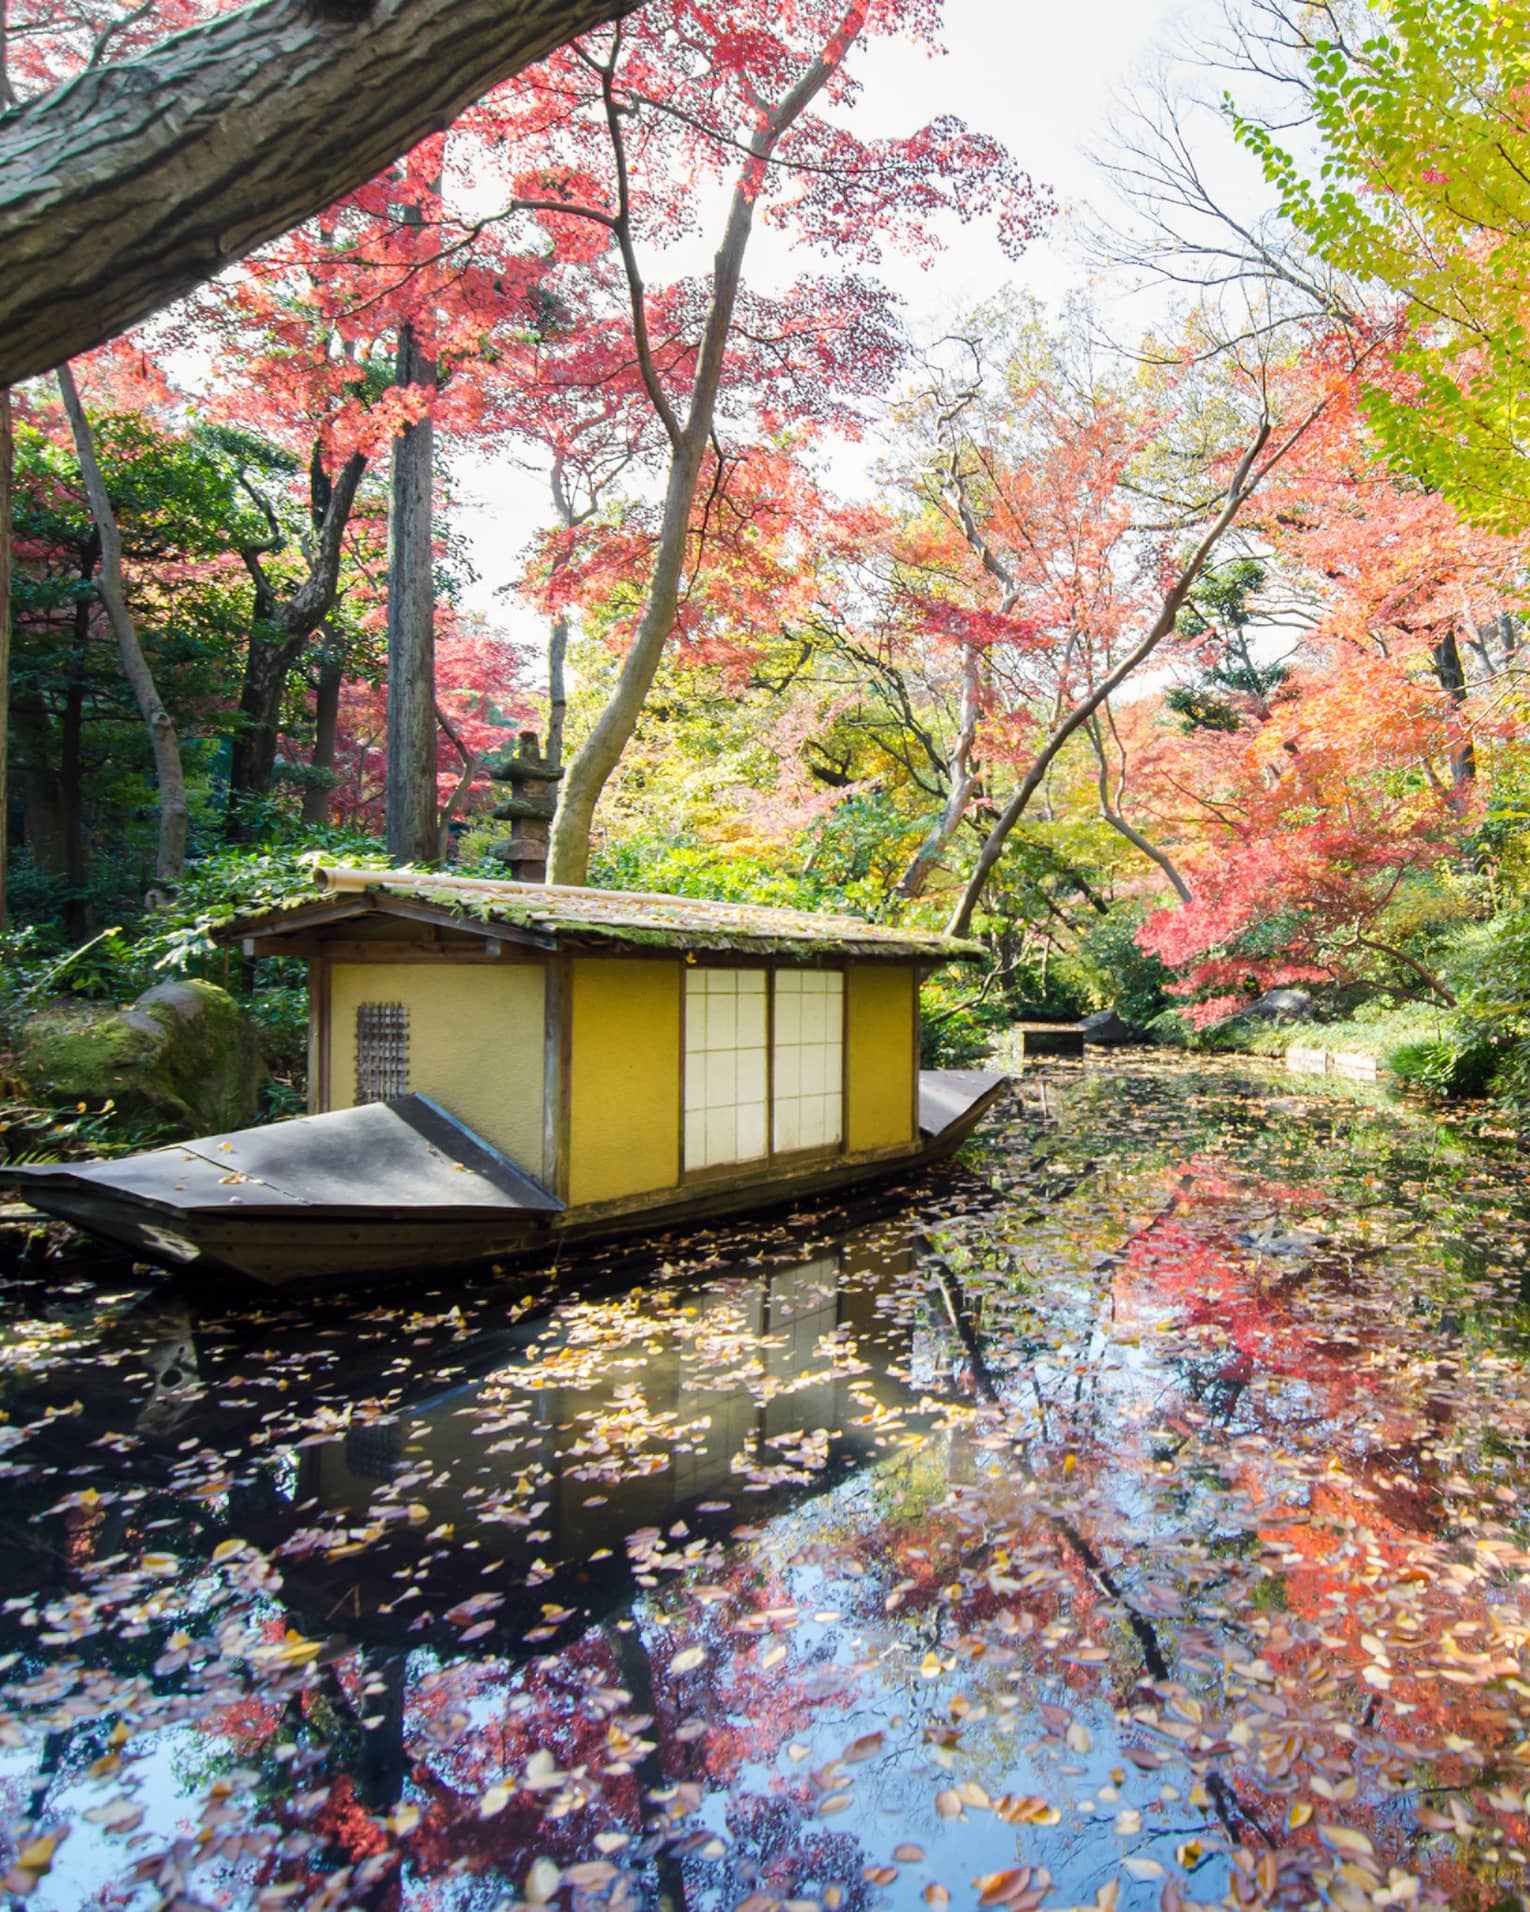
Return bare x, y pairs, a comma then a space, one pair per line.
183, 1057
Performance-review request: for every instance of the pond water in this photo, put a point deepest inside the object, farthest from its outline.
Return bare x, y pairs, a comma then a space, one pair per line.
1131, 1514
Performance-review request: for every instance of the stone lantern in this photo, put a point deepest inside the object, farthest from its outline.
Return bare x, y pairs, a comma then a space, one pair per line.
528, 808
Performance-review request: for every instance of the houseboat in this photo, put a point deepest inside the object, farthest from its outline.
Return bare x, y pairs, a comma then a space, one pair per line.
497, 1067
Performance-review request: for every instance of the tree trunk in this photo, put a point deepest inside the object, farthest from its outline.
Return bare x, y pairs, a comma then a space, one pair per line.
143, 177
1452, 679
963, 779
71, 786
170, 858
326, 730
411, 789
1115, 817
557, 693
7, 479
569, 850
252, 760
280, 629
1245, 482
38, 784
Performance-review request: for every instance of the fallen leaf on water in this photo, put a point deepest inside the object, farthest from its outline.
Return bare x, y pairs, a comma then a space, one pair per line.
542, 1881
1025, 1809
995, 1888
1345, 1839
117, 1815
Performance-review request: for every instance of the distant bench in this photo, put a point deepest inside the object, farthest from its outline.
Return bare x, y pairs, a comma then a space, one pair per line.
1355, 1064
1050, 1038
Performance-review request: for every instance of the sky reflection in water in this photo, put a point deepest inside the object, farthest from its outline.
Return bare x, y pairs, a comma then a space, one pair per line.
1132, 1515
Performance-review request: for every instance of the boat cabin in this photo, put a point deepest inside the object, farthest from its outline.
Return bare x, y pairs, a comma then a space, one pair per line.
625, 1051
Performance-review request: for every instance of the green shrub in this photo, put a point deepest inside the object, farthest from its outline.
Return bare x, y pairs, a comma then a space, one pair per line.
1108, 970
1448, 1065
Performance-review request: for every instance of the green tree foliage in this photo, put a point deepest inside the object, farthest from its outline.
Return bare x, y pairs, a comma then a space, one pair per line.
1423, 188
80, 758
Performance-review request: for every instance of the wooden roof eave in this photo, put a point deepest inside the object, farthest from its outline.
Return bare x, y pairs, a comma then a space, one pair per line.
265, 935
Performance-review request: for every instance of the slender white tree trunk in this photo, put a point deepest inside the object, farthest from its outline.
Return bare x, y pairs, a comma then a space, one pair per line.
569, 849
170, 861
963, 779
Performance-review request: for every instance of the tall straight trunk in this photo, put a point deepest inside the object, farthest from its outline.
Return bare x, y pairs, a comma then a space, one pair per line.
586, 777
326, 729
7, 479
410, 803
170, 857
557, 692
71, 779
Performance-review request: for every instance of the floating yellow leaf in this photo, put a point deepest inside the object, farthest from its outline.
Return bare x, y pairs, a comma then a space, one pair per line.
495, 1801
994, 1888
542, 1881
1346, 1839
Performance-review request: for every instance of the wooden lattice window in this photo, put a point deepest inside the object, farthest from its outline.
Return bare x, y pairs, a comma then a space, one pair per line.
382, 1051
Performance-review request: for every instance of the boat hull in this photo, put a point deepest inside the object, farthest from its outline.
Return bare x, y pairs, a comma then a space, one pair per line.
315, 1213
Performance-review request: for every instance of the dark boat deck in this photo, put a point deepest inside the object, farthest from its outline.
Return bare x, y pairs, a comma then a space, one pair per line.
394, 1186
408, 1153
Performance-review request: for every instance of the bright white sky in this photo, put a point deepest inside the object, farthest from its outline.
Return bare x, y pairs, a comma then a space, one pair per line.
1040, 77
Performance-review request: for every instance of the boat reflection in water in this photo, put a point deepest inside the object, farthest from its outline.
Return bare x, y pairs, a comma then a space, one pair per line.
596, 1437
477, 1447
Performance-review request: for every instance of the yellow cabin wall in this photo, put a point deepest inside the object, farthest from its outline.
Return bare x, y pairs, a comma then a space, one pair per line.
880, 1057
623, 1078
477, 1037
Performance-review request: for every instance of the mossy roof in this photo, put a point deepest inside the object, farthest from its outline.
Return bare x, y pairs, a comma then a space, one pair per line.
557, 915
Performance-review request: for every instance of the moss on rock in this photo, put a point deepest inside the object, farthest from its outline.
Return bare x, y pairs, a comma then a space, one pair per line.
183, 1057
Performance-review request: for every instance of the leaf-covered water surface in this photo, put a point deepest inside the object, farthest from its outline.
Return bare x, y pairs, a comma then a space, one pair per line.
1130, 1515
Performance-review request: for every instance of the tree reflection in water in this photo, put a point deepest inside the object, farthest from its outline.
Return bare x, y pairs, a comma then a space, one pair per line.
1130, 1516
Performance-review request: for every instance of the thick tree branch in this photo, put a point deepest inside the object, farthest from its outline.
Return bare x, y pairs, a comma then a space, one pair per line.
138, 180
